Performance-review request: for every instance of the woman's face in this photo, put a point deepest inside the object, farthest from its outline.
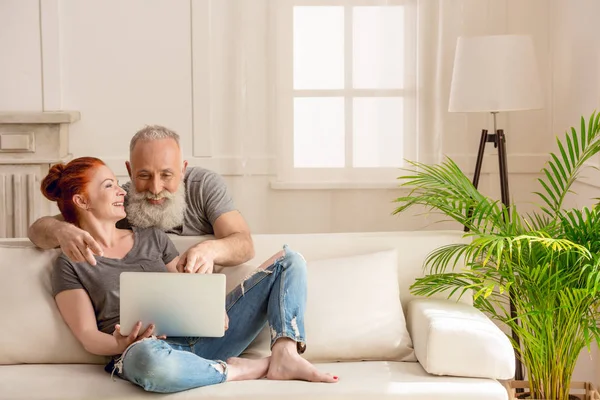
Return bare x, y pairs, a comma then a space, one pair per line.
104, 196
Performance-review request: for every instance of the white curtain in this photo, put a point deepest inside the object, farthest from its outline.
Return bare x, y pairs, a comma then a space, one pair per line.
242, 76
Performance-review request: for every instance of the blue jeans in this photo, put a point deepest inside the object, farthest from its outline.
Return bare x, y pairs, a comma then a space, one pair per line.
276, 294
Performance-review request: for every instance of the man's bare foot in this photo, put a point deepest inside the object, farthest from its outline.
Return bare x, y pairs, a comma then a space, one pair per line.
287, 364
243, 369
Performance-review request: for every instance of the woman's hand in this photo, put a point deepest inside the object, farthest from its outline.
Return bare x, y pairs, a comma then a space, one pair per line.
125, 341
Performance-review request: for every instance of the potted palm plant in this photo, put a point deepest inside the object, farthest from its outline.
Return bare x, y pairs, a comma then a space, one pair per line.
547, 262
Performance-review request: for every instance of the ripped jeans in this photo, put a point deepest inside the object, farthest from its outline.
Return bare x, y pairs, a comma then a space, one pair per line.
276, 294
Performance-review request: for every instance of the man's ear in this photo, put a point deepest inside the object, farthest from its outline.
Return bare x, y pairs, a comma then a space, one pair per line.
185, 164
80, 201
128, 165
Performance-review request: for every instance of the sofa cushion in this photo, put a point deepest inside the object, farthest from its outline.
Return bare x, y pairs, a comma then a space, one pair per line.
357, 381
353, 311
456, 339
33, 330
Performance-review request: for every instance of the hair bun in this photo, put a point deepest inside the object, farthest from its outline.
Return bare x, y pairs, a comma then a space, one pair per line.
51, 183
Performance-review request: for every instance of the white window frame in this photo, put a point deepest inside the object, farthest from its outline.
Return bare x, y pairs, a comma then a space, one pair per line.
284, 94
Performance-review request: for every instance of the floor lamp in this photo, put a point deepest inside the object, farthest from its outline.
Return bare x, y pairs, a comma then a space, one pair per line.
495, 74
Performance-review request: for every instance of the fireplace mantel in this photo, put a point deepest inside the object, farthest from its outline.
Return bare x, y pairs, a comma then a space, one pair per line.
46, 117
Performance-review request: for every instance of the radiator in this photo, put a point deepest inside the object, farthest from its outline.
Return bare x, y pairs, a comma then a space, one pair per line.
19, 203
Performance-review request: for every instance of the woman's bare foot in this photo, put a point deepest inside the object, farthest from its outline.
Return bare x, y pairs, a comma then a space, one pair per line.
243, 369
287, 364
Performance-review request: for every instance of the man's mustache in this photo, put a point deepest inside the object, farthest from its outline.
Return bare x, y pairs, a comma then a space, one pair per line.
165, 194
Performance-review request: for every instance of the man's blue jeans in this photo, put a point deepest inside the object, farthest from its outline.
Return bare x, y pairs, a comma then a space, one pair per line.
276, 294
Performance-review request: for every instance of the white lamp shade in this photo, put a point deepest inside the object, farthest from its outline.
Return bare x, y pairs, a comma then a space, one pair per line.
495, 73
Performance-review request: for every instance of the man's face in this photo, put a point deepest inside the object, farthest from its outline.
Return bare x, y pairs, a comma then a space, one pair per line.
157, 197
155, 167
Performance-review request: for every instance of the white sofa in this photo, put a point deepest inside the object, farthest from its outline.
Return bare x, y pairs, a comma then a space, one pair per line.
358, 297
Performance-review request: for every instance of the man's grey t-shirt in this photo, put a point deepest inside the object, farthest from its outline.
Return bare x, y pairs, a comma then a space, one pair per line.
152, 250
206, 198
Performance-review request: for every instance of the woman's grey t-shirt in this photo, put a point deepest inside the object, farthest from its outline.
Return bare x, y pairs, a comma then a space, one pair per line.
152, 250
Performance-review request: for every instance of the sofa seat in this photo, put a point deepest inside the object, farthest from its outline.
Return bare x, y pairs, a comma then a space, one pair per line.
358, 380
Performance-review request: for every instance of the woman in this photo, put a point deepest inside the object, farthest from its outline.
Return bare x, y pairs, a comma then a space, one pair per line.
88, 196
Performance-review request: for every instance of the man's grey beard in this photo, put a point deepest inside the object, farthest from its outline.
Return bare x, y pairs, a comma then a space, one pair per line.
164, 216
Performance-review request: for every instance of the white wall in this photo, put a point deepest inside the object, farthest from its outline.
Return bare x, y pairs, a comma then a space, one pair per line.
20, 65
124, 63
576, 93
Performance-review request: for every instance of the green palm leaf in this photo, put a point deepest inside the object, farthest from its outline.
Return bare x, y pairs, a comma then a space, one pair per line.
563, 172
548, 260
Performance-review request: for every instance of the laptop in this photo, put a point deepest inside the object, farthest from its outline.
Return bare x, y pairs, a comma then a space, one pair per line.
178, 304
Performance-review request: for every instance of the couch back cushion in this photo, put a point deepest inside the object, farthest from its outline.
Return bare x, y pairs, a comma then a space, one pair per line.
32, 329
353, 311
412, 248
358, 286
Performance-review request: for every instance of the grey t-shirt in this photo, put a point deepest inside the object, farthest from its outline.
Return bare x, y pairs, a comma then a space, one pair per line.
206, 197
152, 250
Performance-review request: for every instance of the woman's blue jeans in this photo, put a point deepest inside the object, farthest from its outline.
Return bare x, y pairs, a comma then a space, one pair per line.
276, 294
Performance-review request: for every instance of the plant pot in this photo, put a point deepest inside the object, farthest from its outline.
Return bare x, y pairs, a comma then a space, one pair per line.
578, 391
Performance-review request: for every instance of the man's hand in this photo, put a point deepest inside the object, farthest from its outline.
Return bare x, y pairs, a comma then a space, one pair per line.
77, 244
197, 259
124, 341
226, 321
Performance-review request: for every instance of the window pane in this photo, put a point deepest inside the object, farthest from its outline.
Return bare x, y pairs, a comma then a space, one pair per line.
378, 132
378, 47
319, 132
318, 47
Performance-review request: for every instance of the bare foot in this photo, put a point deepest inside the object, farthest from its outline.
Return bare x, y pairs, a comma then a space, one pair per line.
287, 364
243, 369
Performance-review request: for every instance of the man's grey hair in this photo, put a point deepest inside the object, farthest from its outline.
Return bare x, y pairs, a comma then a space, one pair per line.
152, 132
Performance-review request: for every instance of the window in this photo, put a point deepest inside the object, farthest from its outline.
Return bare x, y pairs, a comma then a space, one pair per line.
345, 90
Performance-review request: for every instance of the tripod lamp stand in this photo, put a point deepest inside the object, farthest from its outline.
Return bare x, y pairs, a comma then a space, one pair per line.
495, 74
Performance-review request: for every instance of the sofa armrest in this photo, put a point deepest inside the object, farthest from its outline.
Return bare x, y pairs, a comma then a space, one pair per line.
456, 339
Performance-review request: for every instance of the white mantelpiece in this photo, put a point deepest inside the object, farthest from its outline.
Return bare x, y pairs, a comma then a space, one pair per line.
30, 142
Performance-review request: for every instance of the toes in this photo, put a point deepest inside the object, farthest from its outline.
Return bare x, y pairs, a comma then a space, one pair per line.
318, 376
327, 378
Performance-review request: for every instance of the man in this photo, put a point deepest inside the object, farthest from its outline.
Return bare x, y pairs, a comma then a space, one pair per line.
164, 193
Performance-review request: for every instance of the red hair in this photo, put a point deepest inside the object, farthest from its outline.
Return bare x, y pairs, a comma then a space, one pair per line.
65, 181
